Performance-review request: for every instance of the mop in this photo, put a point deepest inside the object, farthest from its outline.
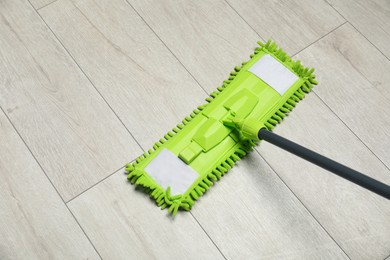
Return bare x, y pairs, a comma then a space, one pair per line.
188, 160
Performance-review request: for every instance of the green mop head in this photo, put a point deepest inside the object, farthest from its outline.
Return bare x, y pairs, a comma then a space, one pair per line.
199, 151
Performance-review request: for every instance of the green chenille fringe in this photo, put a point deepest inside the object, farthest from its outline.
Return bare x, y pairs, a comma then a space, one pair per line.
185, 201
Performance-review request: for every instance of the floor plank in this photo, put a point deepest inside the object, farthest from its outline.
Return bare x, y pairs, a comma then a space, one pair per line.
369, 62
72, 132
357, 219
123, 222
342, 65
143, 82
293, 24
208, 37
370, 17
251, 214
34, 222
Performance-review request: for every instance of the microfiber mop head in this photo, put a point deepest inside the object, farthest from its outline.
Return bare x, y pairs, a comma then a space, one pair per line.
200, 150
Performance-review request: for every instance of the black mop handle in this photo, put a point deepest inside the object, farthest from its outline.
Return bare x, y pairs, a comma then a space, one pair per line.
326, 163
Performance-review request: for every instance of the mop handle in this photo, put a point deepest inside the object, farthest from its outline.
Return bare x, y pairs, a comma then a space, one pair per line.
341, 170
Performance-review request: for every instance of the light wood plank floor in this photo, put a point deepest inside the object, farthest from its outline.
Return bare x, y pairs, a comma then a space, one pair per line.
86, 86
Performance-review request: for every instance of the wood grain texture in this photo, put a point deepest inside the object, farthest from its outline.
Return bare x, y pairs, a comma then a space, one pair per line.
94, 23
366, 60
34, 222
72, 132
372, 18
352, 95
123, 223
143, 82
292, 24
251, 214
208, 37
357, 219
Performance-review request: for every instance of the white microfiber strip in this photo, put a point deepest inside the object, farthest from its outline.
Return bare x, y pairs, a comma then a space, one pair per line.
169, 171
274, 73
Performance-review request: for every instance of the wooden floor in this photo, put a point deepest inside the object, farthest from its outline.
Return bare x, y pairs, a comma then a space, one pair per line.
86, 86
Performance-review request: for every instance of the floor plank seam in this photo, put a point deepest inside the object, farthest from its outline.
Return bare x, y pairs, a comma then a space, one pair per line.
208, 236
82, 229
320, 38
386, 166
357, 69
384, 55
90, 81
334, 8
93, 185
250, 26
51, 183
166, 46
311, 214
44, 5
